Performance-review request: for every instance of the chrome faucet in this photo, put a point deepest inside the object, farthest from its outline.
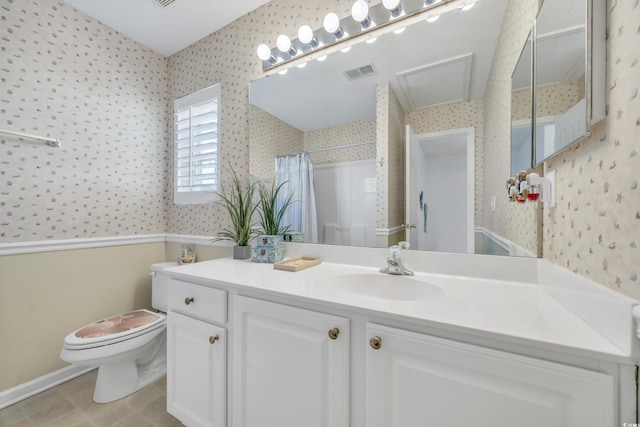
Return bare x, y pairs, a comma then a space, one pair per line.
394, 263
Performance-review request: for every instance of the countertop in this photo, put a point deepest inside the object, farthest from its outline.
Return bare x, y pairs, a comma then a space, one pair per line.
518, 312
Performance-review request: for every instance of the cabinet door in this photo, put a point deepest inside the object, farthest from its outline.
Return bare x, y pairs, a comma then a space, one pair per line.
196, 371
290, 366
418, 380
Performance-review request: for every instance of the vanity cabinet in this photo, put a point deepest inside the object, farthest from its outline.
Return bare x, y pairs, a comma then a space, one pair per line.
196, 355
414, 380
290, 366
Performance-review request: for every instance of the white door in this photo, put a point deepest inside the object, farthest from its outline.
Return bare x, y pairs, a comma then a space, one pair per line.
290, 366
415, 380
196, 371
440, 190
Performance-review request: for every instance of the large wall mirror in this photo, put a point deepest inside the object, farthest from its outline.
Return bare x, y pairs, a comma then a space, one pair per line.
434, 72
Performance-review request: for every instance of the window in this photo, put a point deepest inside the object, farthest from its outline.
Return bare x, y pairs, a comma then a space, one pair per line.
196, 143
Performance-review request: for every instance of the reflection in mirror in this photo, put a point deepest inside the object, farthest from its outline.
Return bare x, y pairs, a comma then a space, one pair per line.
522, 110
350, 111
561, 87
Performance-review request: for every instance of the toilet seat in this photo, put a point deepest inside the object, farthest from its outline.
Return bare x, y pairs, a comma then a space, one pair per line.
114, 329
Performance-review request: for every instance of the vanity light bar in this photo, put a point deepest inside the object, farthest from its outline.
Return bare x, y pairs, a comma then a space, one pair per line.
365, 22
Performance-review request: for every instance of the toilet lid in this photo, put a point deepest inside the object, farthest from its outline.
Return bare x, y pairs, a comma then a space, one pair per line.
115, 328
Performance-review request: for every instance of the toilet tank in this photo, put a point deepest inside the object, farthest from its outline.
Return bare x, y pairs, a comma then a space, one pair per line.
160, 285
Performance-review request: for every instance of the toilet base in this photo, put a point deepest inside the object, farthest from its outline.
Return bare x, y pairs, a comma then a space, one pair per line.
116, 382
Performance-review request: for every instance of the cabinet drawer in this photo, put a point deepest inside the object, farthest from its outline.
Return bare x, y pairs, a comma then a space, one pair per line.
198, 300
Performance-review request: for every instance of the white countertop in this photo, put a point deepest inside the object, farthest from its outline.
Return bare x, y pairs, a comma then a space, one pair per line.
505, 310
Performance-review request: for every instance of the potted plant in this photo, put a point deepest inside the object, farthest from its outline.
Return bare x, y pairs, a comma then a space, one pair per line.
241, 207
271, 212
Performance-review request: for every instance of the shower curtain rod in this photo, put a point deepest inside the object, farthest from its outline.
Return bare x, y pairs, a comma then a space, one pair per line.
320, 150
51, 142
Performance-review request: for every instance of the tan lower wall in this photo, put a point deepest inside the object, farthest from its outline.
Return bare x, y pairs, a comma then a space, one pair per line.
45, 296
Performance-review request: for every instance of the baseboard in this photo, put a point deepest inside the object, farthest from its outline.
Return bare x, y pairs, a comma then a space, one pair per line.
37, 385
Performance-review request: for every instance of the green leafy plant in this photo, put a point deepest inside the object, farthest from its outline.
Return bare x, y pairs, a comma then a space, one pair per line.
270, 211
240, 205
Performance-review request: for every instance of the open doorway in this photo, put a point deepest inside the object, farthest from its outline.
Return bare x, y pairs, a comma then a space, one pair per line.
441, 190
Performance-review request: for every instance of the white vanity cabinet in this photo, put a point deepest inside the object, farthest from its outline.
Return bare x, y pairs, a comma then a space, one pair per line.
290, 366
197, 355
415, 380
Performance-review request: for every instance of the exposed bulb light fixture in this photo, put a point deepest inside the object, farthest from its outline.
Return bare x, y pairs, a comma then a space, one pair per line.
332, 25
430, 2
305, 35
433, 18
283, 72
394, 7
264, 53
371, 41
346, 49
399, 30
304, 64
283, 44
360, 13
321, 58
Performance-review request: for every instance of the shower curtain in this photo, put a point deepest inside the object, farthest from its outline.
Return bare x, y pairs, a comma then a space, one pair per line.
296, 171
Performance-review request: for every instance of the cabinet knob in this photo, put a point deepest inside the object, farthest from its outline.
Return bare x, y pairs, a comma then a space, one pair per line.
375, 343
333, 333
188, 300
213, 339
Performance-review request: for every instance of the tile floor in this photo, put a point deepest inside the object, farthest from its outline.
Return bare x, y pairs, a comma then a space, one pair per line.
70, 405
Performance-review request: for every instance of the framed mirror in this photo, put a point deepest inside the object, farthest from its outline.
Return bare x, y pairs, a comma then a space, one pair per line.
432, 74
569, 73
522, 110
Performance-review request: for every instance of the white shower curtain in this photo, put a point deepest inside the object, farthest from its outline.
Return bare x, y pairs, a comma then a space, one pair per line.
296, 171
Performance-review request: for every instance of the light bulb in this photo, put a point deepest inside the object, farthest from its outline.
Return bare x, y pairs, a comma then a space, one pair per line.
360, 10
321, 58
373, 40
305, 34
346, 49
264, 53
433, 18
283, 43
331, 22
304, 64
283, 72
399, 30
393, 6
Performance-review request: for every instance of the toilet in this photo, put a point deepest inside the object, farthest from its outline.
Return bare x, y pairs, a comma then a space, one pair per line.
129, 349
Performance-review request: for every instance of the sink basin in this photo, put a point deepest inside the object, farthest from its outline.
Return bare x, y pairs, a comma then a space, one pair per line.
386, 286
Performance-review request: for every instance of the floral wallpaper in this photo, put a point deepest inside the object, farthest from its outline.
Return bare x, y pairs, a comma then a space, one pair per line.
270, 137
595, 229
350, 133
69, 77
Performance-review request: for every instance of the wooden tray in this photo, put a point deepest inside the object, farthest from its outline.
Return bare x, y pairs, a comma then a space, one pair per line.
297, 264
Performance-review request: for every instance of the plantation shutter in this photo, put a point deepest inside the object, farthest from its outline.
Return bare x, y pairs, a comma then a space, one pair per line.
196, 142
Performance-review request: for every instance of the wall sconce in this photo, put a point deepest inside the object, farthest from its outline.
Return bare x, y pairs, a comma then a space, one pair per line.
264, 53
283, 43
542, 188
394, 7
332, 25
305, 35
360, 13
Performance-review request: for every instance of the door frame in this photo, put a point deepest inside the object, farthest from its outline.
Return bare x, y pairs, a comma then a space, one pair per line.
470, 181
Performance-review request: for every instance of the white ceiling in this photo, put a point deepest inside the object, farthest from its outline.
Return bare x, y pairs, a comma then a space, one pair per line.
170, 29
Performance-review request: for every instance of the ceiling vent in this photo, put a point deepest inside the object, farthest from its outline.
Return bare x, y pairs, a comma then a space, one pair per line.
360, 72
164, 3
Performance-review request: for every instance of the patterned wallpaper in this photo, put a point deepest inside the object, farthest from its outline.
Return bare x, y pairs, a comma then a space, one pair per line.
397, 160
350, 133
595, 229
69, 77
455, 116
270, 137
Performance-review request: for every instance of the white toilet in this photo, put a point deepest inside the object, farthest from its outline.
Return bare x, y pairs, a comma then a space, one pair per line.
130, 349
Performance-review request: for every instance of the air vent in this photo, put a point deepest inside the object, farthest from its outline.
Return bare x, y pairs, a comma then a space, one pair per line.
164, 3
360, 72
